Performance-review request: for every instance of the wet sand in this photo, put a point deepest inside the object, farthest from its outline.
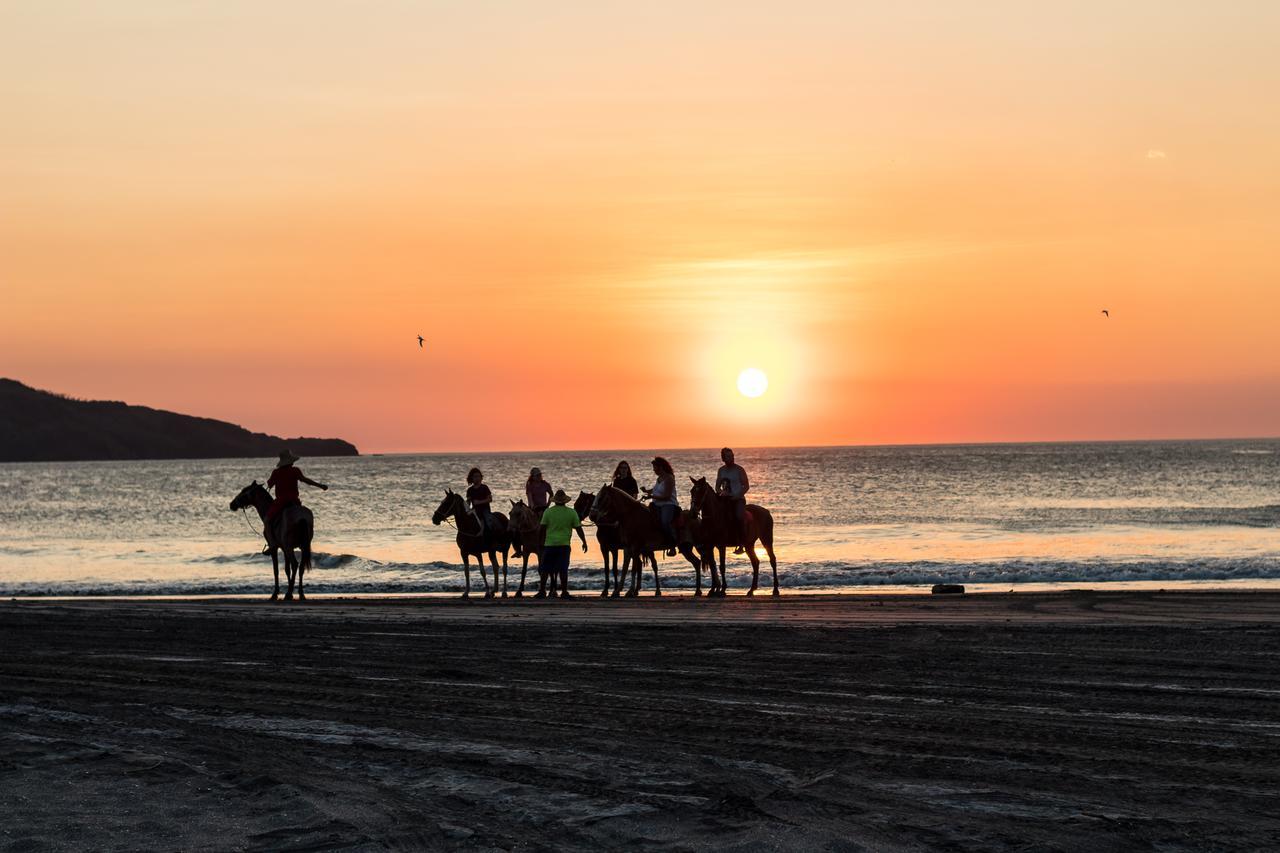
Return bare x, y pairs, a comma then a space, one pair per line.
1028, 721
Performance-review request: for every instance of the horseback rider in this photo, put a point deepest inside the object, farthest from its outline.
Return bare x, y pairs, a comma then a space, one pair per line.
284, 479
663, 497
732, 485
623, 480
537, 491
480, 498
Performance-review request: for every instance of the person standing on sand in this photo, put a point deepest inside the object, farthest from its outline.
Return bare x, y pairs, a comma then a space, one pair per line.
285, 479
733, 485
663, 495
561, 522
537, 491
622, 479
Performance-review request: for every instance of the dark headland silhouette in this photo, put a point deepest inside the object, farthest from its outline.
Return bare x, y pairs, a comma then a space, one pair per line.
38, 426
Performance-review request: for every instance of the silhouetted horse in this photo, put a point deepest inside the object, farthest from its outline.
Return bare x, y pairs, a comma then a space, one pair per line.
471, 540
526, 536
641, 535
293, 528
719, 530
607, 537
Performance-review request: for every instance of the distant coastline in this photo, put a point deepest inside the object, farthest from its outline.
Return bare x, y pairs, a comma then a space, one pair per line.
40, 426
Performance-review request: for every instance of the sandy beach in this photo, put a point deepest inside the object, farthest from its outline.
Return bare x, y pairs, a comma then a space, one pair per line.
1065, 721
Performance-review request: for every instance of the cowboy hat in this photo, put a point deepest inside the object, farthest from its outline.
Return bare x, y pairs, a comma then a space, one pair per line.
560, 497
286, 458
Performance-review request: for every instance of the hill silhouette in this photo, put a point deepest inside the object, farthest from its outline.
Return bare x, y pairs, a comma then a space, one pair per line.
38, 426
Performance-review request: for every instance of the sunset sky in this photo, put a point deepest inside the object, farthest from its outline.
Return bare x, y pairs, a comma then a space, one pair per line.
909, 216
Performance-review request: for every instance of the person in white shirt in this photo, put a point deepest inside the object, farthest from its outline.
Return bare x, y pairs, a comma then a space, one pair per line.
732, 484
663, 495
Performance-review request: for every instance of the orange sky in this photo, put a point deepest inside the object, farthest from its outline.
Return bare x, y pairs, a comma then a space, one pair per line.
598, 214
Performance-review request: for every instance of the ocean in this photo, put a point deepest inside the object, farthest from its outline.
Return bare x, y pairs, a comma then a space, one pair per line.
850, 518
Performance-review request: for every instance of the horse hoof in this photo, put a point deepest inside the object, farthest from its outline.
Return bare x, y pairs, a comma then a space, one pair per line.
504, 593
751, 592
519, 593
657, 593
275, 596
697, 593
466, 595
776, 593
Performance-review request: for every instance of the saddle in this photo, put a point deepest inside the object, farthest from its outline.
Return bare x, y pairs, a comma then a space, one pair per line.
727, 502
279, 526
655, 510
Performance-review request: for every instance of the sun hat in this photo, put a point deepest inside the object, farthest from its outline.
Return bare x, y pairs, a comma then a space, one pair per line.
560, 497
286, 458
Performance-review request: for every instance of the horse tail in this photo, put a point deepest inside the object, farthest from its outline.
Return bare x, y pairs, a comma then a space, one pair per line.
307, 531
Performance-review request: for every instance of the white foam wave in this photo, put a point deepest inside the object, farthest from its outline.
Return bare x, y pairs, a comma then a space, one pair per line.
348, 573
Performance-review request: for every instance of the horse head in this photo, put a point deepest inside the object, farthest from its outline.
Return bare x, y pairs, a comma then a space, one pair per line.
250, 495
523, 518
448, 507
698, 492
604, 501
584, 504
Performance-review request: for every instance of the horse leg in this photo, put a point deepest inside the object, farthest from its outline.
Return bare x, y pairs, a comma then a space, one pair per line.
766, 539
289, 572
524, 570
719, 551
484, 573
687, 552
604, 555
755, 573
301, 571
504, 574
275, 569
466, 571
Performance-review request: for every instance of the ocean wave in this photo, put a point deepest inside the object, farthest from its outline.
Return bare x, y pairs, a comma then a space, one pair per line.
349, 574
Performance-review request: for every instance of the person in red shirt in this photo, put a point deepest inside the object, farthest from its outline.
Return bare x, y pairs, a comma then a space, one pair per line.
285, 481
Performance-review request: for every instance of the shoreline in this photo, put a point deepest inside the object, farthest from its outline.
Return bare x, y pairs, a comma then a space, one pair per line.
1245, 586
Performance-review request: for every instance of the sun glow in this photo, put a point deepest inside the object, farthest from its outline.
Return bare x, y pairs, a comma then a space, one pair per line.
752, 382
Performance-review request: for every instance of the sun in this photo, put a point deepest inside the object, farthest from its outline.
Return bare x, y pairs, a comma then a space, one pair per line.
752, 382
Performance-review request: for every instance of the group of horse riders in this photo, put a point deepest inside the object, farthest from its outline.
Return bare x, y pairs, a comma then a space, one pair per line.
550, 523
732, 484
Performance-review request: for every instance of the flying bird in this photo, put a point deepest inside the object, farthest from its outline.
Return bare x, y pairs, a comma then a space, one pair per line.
1104, 311
419, 341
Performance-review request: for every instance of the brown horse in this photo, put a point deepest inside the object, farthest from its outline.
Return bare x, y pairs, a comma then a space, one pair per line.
294, 528
607, 537
641, 535
527, 534
720, 529
471, 540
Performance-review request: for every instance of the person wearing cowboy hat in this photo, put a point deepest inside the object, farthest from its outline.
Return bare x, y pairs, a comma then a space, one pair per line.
561, 522
284, 479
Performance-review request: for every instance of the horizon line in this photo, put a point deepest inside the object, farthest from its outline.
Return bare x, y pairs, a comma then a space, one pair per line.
1024, 442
